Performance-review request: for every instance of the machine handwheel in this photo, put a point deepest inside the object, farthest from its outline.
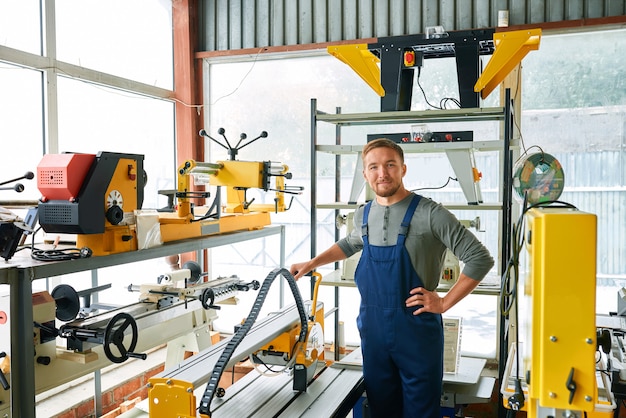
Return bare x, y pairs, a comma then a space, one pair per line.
207, 298
114, 334
66, 301
195, 270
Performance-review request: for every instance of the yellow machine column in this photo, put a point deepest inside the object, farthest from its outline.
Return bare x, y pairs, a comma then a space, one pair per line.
560, 295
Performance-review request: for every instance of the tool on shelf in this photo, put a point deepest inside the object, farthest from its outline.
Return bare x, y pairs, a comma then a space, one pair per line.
239, 211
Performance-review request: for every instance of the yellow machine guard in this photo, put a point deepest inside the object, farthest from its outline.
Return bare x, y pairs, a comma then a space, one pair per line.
510, 48
362, 61
284, 343
168, 396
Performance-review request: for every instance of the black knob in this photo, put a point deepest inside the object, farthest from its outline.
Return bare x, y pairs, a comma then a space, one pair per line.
45, 360
115, 215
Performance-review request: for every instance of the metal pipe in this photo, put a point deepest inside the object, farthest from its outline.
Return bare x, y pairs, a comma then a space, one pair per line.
19, 203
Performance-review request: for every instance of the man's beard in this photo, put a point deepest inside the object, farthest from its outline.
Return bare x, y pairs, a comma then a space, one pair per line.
386, 192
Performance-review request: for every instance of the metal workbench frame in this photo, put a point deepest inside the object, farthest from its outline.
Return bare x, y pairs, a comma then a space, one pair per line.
23, 271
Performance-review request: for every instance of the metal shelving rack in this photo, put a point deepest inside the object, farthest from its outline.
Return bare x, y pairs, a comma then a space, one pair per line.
23, 271
504, 146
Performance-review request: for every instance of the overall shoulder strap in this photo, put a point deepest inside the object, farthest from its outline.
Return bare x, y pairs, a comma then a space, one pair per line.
366, 213
404, 227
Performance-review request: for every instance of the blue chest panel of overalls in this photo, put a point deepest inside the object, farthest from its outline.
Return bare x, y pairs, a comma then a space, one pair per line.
402, 352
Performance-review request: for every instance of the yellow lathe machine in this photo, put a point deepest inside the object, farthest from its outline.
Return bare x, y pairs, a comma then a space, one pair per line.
237, 177
92, 196
96, 197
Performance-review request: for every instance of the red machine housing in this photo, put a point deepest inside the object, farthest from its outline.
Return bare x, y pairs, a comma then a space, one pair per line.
60, 176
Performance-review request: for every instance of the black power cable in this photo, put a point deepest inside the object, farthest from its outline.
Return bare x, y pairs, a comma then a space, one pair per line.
437, 187
57, 254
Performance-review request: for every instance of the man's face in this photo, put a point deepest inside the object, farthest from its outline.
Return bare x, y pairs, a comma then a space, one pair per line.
383, 171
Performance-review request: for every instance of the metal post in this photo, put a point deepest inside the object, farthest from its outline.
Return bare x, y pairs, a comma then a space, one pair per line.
22, 348
313, 217
506, 239
337, 199
97, 388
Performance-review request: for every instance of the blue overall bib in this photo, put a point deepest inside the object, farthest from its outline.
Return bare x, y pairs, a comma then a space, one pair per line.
402, 352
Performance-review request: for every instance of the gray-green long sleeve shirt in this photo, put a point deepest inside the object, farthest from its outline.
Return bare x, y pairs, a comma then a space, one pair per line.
433, 229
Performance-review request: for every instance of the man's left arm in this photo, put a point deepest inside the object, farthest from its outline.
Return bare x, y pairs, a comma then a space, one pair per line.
468, 249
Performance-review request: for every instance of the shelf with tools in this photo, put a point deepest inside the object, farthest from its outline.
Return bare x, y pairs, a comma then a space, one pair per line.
410, 116
501, 145
21, 271
460, 153
453, 149
495, 145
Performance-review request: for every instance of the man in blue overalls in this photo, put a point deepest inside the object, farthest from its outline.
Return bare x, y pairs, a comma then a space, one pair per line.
404, 237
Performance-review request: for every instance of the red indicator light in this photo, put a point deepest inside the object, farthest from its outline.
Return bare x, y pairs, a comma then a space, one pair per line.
409, 58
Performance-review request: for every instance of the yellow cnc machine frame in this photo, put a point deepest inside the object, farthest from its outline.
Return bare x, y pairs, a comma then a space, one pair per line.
557, 313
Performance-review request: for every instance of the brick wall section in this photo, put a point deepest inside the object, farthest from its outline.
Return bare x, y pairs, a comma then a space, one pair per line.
112, 398
136, 388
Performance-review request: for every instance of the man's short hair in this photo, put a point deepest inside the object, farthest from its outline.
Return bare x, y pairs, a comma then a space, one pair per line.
383, 143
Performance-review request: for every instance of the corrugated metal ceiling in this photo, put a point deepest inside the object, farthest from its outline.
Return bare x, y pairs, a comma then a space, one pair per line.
241, 24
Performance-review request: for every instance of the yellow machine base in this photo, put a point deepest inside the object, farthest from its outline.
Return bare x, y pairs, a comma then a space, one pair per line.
115, 239
174, 228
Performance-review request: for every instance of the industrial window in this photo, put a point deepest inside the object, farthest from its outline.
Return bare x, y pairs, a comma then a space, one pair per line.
574, 107
21, 127
122, 38
94, 118
130, 41
19, 25
274, 95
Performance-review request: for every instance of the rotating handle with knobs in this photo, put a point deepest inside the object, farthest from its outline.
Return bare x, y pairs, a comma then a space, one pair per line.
114, 335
